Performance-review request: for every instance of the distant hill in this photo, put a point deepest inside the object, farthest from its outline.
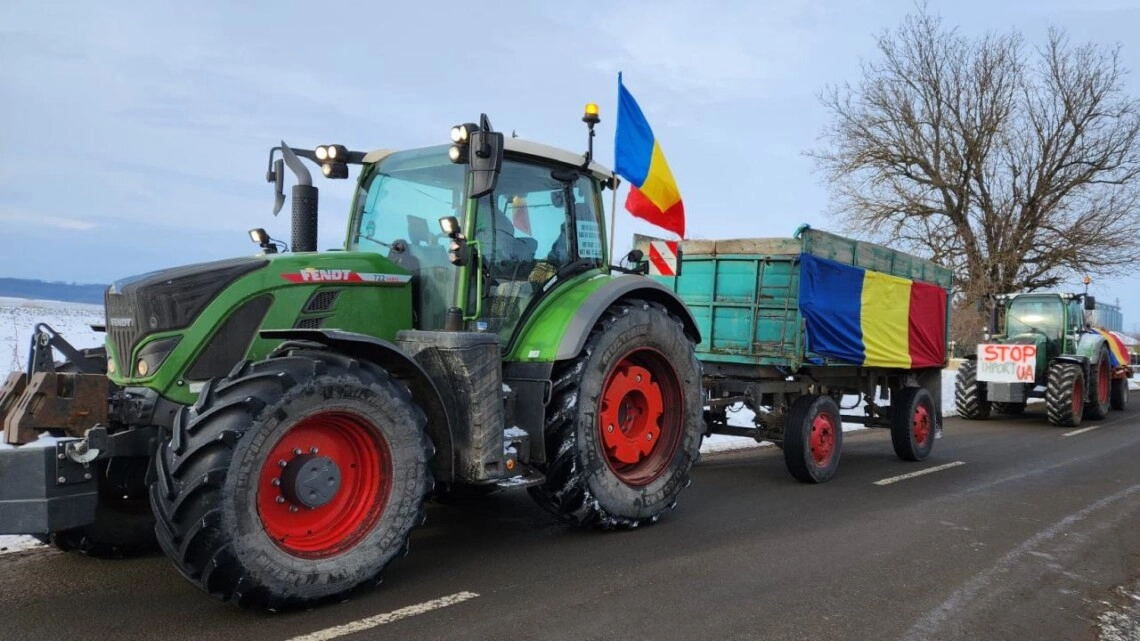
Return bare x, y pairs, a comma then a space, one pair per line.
44, 290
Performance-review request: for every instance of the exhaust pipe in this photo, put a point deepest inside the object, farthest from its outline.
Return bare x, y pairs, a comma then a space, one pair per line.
304, 203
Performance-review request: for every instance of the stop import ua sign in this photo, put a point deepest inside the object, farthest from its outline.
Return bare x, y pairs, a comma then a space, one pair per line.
1006, 363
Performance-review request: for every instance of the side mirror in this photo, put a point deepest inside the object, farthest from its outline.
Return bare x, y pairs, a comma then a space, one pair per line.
486, 161
1090, 302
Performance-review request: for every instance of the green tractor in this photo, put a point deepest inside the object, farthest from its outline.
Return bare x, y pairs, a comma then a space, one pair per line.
275, 423
1048, 350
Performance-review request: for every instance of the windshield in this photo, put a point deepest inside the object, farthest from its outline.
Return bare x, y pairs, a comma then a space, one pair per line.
1036, 314
404, 197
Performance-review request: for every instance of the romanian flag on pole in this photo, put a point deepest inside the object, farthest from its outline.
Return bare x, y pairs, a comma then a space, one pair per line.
870, 318
1117, 351
653, 194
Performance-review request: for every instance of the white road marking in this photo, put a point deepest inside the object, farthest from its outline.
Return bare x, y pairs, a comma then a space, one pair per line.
388, 617
903, 477
1095, 427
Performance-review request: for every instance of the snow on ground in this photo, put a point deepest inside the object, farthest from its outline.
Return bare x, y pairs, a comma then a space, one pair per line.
19, 316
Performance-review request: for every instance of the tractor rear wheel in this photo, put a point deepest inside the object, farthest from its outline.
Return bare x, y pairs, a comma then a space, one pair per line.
1065, 394
292, 481
124, 525
1100, 384
813, 438
624, 424
1009, 408
913, 419
1119, 393
969, 395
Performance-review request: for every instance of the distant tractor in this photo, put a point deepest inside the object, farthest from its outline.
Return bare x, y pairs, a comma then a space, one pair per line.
1047, 350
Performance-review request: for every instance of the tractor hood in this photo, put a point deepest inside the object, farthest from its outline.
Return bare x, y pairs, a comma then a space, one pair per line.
172, 330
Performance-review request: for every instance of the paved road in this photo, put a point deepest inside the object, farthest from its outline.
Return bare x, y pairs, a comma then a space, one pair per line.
1026, 539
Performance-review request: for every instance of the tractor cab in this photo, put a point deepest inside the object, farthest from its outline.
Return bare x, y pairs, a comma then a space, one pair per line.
485, 258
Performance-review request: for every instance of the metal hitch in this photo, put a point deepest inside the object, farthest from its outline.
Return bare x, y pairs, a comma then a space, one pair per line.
53, 401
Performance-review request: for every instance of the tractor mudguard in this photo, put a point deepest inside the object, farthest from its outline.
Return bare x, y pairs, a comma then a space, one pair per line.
626, 286
1083, 361
392, 358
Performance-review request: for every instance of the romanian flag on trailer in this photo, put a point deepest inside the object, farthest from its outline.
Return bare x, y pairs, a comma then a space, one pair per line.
653, 194
1117, 351
870, 318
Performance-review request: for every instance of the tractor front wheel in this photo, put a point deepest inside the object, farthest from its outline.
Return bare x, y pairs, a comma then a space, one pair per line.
1065, 394
292, 481
969, 394
1009, 408
625, 422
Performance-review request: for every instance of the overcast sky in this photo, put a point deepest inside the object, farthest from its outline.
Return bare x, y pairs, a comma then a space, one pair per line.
135, 135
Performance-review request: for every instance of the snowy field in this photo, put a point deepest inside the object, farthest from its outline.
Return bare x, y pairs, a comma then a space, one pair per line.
18, 318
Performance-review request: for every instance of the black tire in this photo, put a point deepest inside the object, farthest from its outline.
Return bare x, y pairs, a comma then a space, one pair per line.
1064, 394
913, 421
970, 395
1100, 385
1009, 408
1119, 393
220, 489
610, 478
813, 438
124, 524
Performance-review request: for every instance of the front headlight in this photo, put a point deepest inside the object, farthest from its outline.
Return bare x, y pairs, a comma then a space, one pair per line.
152, 355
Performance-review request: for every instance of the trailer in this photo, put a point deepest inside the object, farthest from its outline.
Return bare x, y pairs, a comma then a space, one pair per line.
794, 326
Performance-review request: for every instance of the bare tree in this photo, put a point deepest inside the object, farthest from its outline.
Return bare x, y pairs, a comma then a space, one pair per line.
1019, 167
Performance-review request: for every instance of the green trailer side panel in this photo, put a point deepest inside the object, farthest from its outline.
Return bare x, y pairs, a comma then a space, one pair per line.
744, 293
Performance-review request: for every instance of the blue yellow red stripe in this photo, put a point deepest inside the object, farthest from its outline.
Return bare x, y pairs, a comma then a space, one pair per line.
1117, 351
870, 318
653, 194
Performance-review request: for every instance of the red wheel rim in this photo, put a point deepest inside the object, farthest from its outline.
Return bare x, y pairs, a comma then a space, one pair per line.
822, 440
921, 425
1103, 381
365, 463
1078, 396
640, 418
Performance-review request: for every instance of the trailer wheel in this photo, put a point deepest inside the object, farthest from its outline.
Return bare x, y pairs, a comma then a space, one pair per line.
913, 420
1009, 408
124, 525
293, 481
1119, 393
813, 438
1100, 383
625, 421
969, 395
1065, 394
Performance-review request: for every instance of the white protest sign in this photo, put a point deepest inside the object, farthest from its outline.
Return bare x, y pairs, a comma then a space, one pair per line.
1006, 363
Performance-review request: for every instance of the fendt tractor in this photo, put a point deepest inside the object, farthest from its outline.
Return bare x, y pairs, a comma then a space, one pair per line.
275, 423
1049, 350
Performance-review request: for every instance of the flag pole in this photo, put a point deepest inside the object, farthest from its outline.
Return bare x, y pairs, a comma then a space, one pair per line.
613, 218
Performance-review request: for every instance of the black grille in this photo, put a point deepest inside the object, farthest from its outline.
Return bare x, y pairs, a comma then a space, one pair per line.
321, 301
167, 300
309, 323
